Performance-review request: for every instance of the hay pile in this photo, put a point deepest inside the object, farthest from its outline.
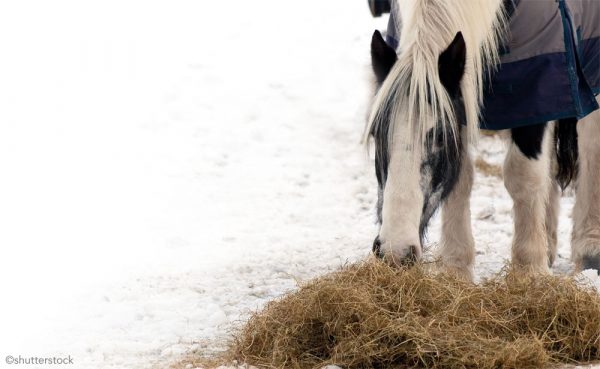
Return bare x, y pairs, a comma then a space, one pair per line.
372, 316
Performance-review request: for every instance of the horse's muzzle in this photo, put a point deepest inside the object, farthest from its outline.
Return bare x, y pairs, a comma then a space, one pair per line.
409, 258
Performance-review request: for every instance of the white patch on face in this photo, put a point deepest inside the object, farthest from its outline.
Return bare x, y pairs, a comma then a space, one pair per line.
402, 199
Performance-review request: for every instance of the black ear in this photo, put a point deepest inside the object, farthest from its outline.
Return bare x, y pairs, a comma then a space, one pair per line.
451, 64
383, 57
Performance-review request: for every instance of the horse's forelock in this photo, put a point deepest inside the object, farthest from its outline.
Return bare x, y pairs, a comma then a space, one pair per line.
413, 93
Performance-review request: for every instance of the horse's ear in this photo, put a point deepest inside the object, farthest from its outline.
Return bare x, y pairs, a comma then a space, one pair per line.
451, 64
383, 57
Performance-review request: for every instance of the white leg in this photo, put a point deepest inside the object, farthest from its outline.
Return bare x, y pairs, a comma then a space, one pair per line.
553, 207
527, 179
586, 214
457, 249
552, 212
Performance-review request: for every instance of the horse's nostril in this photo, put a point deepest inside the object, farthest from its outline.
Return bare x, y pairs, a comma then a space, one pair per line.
377, 247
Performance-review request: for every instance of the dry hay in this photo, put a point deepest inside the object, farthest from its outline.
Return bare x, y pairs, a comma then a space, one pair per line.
191, 361
372, 316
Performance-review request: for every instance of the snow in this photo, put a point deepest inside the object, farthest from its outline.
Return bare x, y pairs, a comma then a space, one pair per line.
168, 167
590, 278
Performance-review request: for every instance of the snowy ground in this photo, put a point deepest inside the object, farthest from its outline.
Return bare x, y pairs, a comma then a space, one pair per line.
168, 166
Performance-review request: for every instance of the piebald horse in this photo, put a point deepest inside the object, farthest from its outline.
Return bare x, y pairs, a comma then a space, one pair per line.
424, 116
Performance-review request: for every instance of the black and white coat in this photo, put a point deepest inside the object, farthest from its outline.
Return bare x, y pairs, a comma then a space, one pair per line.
418, 174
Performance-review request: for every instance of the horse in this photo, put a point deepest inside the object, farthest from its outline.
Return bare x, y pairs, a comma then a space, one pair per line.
428, 108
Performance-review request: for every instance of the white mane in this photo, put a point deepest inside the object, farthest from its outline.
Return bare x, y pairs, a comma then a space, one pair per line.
413, 92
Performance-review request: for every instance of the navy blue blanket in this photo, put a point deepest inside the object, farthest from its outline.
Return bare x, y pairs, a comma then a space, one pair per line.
550, 64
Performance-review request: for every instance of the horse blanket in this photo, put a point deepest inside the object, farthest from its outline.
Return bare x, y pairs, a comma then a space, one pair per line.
549, 65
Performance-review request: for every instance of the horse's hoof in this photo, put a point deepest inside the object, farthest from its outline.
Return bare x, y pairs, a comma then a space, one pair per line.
460, 272
591, 262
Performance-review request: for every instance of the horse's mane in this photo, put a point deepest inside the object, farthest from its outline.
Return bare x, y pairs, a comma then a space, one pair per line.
413, 91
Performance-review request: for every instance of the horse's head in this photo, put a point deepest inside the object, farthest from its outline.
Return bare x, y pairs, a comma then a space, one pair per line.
415, 174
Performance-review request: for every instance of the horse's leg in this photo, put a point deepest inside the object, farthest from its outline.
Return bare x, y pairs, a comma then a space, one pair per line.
457, 246
586, 214
527, 179
552, 211
553, 206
